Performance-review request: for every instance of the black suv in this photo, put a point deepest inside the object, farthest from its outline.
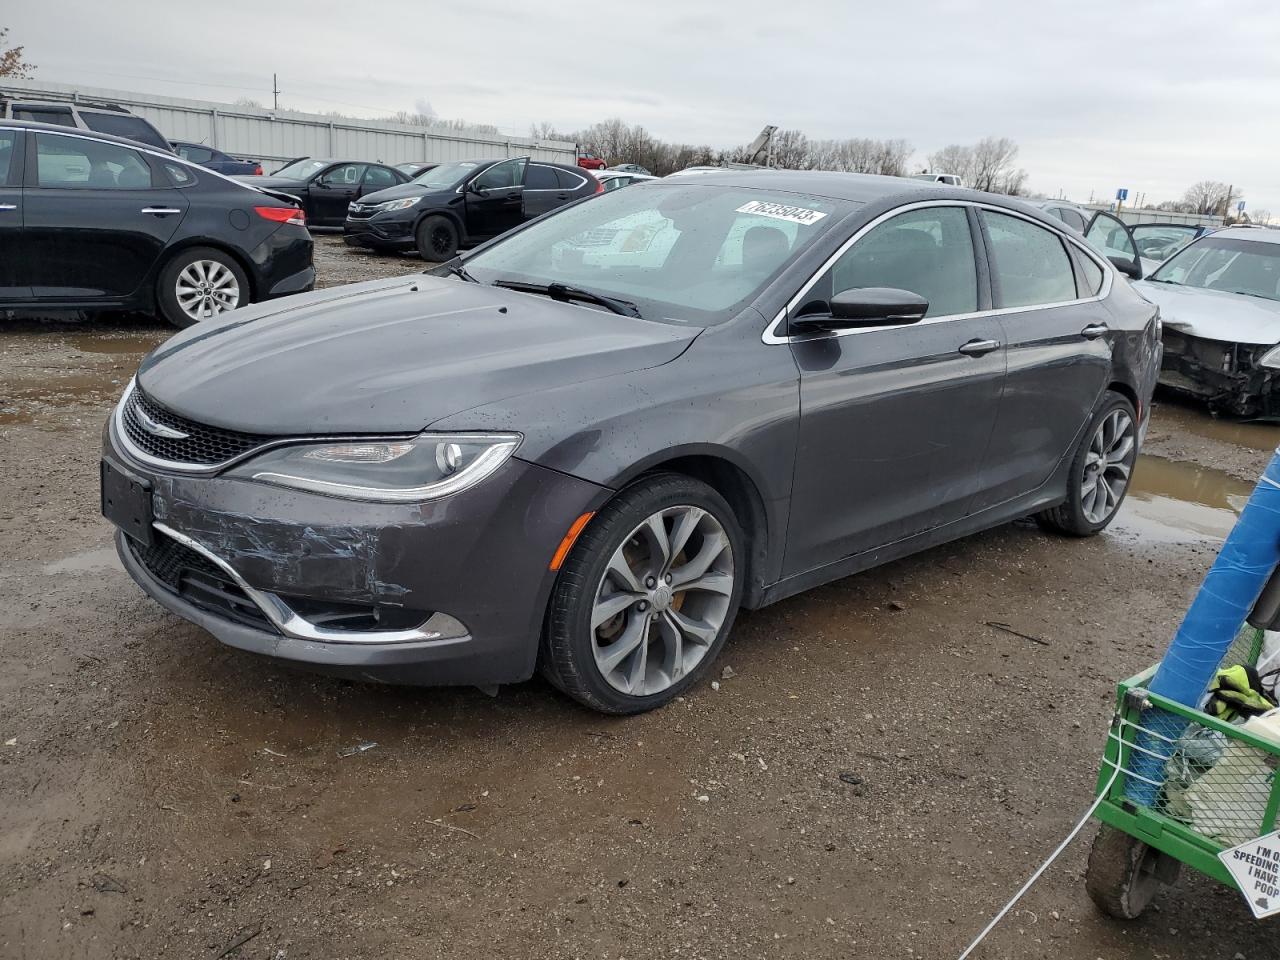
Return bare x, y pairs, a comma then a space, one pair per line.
460, 204
99, 117
94, 222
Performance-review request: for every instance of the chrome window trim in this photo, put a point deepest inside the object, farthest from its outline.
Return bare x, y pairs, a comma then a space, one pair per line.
140, 148
772, 336
298, 627
121, 438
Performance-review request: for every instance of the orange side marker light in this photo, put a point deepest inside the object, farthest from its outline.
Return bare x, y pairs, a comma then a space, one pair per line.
567, 543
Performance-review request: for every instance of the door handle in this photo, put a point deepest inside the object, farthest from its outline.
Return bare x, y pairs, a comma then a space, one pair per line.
161, 211
1094, 330
8, 206
979, 348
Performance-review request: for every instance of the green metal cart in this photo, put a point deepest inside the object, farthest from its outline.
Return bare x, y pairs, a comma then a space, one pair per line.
1220, 790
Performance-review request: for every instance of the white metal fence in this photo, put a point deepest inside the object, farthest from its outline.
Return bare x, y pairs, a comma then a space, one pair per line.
261, 134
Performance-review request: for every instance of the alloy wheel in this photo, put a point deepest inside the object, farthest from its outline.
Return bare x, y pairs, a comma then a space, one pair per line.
662, 600
442, 241
1108, 465
206, 288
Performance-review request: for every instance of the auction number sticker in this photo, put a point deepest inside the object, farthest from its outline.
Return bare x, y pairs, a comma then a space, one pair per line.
1256, 868
781, 211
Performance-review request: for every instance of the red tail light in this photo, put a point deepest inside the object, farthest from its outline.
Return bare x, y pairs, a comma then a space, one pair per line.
257, 171
599, 186
283, 215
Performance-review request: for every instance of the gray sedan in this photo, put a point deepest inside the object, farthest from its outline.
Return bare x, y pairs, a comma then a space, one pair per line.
585, 445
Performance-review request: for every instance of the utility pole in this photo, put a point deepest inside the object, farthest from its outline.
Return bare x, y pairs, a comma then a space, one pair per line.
275, 92
1226, 203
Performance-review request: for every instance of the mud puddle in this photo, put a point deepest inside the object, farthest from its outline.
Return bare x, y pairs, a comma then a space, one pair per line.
134, 345
41, 403
1253, 434
1173, 501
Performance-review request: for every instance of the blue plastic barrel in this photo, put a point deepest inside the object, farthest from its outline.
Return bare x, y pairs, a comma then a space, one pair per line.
1227, 595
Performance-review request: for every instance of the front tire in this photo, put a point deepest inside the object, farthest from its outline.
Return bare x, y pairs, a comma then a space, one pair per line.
647, 597
199, 284
436, 239
1100, 471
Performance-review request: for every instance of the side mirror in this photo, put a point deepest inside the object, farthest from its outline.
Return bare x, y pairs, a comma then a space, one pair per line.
475, 187
866, 307
1130, 268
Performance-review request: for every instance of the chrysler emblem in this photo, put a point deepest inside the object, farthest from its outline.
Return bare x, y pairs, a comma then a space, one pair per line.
158, 429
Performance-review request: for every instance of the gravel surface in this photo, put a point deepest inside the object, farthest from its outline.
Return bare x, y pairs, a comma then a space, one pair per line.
876, 773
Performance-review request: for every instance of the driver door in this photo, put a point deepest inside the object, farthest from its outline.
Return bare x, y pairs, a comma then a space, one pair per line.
1112, 238
895, 420
332, 191
495, 199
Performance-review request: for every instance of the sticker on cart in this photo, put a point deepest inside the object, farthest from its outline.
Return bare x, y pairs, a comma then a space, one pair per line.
1255, 867
781, 211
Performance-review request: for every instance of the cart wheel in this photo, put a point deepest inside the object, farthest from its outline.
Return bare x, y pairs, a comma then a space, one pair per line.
1125, 874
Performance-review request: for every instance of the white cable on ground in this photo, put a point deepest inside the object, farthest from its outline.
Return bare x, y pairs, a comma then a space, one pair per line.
1102, 795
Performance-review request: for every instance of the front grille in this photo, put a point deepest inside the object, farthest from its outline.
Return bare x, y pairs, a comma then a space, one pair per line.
202, 445
198, 580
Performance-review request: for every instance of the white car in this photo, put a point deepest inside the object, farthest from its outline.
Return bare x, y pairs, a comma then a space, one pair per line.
617, 179
1219, 300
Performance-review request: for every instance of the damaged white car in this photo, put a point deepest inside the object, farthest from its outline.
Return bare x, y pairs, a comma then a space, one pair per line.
1219, 299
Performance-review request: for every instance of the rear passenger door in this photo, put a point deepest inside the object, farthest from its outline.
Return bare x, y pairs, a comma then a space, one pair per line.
542, 191
1058, 349
96, 219
895, 420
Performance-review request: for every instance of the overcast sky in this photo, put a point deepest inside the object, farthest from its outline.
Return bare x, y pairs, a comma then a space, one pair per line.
1146, 95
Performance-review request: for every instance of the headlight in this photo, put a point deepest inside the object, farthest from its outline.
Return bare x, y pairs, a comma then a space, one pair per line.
398, 204
1270, 359
426, 467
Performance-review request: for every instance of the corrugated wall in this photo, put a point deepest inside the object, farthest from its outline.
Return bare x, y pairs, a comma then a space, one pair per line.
281, 135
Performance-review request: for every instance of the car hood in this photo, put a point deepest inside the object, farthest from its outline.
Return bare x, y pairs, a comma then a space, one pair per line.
1214, 314
392, 356
401, 191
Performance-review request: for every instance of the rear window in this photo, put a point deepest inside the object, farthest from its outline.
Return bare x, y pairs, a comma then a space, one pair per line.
59, 115
568, 180
123, 125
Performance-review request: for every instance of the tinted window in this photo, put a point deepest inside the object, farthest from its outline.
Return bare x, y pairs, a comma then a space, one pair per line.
1090, 276
509, 173
1111, 238
539, 177
7, 141
1070, 217
180, 175
60, 116
75, 163
347, 175
194, 153
568, 179
928, 252
379, 177
1029, 264
123, 125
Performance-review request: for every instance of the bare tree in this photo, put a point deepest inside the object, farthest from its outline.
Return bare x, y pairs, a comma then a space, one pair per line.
953, 158
248, 102
789, 150
12, 62
993, 159
1211, 197
547, 131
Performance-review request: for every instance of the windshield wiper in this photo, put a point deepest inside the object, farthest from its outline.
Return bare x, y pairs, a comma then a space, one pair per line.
459, 271
566, 293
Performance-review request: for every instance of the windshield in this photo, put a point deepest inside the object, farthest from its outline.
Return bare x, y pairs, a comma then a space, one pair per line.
300, 169
1160, 241
446, 175
678, 251
1250, 267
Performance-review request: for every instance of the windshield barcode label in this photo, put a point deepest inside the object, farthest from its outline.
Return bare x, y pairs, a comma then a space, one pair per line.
781, 211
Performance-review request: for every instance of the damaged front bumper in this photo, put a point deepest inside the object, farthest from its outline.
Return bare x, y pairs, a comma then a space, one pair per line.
1228, 376
445, 592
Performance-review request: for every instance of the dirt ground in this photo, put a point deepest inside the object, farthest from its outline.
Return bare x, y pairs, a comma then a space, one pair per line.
876, 774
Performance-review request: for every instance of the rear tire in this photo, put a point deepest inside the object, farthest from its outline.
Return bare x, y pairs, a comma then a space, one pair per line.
1124, 874
622, 636
1101, 470
200, 283
436, 239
